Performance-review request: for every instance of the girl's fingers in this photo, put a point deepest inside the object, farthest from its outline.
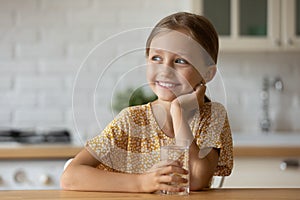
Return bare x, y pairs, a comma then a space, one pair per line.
167, 180
165, 163
172, 170
176, 178
200, 89
169, 188
169, 162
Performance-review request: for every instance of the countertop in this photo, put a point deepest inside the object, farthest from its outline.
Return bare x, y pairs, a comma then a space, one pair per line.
272, 144
277, 144
39, 151
212, 194
69, 151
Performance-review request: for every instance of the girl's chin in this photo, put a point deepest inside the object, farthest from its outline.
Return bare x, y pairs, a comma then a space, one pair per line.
169, 95
165, 96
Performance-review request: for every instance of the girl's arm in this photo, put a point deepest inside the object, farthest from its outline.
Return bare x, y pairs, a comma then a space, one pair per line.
82, 174
201, 170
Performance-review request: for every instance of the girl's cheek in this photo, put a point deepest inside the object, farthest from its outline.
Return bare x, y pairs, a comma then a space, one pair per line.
152, 69
150, 73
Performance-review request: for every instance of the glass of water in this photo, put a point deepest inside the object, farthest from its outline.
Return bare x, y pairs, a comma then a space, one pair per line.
181, 154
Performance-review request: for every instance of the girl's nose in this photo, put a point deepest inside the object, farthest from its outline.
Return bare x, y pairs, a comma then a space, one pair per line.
168, 63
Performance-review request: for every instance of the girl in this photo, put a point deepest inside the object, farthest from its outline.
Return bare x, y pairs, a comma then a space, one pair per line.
181, 53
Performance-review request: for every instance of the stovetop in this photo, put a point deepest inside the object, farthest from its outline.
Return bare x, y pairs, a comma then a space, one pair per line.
34, 137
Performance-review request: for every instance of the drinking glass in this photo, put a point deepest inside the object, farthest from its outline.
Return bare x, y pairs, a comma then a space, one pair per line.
181, 154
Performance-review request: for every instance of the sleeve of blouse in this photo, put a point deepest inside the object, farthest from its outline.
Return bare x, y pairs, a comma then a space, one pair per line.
214, 132
225, 163
105, 146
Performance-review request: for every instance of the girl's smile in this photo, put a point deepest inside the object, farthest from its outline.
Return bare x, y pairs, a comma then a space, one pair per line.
167, 85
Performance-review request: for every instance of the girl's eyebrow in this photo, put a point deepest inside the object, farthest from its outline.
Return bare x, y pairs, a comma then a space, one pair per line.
156, 50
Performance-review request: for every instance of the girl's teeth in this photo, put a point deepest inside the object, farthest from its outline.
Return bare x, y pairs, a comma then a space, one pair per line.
168, 85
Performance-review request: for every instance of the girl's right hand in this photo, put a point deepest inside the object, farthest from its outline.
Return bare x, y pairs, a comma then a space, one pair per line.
190, 101
161, 175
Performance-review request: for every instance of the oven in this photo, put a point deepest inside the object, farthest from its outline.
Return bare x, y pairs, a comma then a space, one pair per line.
23, 165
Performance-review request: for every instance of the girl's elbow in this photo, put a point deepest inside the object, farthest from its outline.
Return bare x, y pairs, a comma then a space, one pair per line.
199, 185
66, 182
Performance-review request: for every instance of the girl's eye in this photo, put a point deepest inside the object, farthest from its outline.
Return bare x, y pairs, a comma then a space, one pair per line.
156, 58
181, 61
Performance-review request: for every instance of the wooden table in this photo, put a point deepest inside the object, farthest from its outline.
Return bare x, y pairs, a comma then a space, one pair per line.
213, 194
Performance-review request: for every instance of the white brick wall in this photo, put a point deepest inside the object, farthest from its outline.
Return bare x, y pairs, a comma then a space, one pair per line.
43, 42
38, 83
5, 82
6, 52
40, 51
15, 100
38, 117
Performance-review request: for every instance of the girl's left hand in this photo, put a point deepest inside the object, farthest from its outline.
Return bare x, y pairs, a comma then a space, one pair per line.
191, 101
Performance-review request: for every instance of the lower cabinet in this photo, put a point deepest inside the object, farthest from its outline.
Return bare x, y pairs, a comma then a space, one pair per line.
264, 172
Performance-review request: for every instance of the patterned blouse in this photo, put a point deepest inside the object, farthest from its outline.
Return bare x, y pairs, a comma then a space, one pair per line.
131, 142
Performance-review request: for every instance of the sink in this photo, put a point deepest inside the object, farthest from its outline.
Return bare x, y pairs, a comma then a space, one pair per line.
266, 139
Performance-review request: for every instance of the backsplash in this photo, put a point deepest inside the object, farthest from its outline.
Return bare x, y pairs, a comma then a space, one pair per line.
243, 78
44, 42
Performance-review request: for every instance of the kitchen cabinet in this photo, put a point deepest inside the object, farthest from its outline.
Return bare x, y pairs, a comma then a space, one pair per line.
37, 167
263, 172
251, 25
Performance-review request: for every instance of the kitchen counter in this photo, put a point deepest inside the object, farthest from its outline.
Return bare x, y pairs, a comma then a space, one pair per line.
209, 194
273, 144
68, 151
268, 151
39, 151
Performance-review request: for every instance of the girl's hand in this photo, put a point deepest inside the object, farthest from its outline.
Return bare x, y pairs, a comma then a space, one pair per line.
189, 102
161, 177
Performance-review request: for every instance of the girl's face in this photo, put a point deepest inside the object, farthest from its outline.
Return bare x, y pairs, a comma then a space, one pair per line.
174, 65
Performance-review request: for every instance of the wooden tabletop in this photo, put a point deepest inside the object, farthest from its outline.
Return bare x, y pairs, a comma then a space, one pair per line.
214, 194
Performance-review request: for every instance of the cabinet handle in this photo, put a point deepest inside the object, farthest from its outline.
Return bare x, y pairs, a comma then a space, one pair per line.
277, 42
289, 164
290, 42
20, 176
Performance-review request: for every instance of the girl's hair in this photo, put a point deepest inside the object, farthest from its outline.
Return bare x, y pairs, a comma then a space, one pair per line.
198, 28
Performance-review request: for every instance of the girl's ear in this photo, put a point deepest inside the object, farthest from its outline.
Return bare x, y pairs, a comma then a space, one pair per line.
210, 73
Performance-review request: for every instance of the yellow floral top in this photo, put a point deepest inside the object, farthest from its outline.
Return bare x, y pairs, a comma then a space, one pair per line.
131, 142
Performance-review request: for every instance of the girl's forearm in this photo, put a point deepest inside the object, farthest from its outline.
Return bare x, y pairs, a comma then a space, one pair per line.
201, 170
181, 127
87, 178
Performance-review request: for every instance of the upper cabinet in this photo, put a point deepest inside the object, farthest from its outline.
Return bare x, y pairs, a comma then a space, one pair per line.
248, 25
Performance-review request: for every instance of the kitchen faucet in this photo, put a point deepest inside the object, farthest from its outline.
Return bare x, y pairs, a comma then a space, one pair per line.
277, 84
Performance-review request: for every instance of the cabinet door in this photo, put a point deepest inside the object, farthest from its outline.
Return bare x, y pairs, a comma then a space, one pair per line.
219, 13
253, 18
291, 24
244, 24
262, 173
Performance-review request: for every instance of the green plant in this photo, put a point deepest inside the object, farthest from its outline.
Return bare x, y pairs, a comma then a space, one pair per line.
131, 97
